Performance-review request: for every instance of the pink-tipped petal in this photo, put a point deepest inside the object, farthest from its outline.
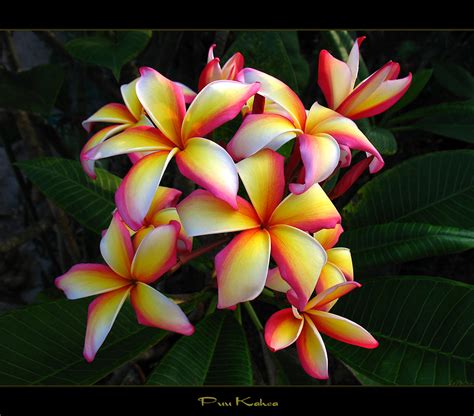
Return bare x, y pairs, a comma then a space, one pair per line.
86, 279
210, 53
211, 72
320, 155
353, 60
211, 167
259, 131
135, 139
102, 135
188, 93
350, 177
312, 352
137, 190
300, 259
282, 329
329, 237
342, 329
164, 198
163, 101
346, 156
309, 211
165, 216
242, 266
341, 257
276, 282
334, 79
217, 103
156, 310
130, 98
109, 113
330, 294
202, 213
101, 316
116, 247
156, 254
382, 99
233, 66
342, 129
277, 91
264, 179
330, 276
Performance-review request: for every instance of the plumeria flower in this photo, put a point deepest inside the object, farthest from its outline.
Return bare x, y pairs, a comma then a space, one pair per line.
162, 210
372, 96
267, 226
321, 132
179, 133
128, 272
213, 71
338, 268
123, 117
305, 325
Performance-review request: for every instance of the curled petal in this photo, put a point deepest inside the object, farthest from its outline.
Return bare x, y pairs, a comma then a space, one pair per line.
277, 91
341, 257
233, 66
242, 267
350, 177
156, 254
188, 93
83, 280
353, 60
329, 237
264, 179
309, 211
109, 113
210, 53
282, 329
330, 276
342, 329
334, 79
320, 155
276, 282
163, 101
156, 310
210, 166
130, 98
137, 190
217, 103
300, 259
102, 135
116, 247
330, 294
346, 156
101, 316
259, 131
202, 213
311, 351
165, 216
211, 72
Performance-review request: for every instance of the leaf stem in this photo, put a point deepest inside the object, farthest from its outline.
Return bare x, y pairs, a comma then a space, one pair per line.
253, 316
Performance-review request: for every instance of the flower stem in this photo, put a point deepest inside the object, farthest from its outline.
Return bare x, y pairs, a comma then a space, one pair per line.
253, 316
238, 314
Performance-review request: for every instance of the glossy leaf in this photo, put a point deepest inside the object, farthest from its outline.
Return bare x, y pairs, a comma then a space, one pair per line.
110, 51
455, 79
423, 325
89, 202
217, 353
383, 140
401, 242
436, 188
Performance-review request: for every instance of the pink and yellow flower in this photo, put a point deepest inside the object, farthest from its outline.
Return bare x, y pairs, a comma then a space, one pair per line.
370, 97
213, 71
128, 273
178, 133
304, 326
267, 226
321, 132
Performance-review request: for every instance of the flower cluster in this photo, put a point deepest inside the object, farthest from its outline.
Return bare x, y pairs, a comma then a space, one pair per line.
283, 218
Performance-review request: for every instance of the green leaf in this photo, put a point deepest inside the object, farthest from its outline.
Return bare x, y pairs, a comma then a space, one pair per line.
383, 140
423, 325
217, 353
34, 90
42, 344
266, 52
437, 188
89, 202
434, 111
418, 83
455, 79
400, 242
110, 51
299, 63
